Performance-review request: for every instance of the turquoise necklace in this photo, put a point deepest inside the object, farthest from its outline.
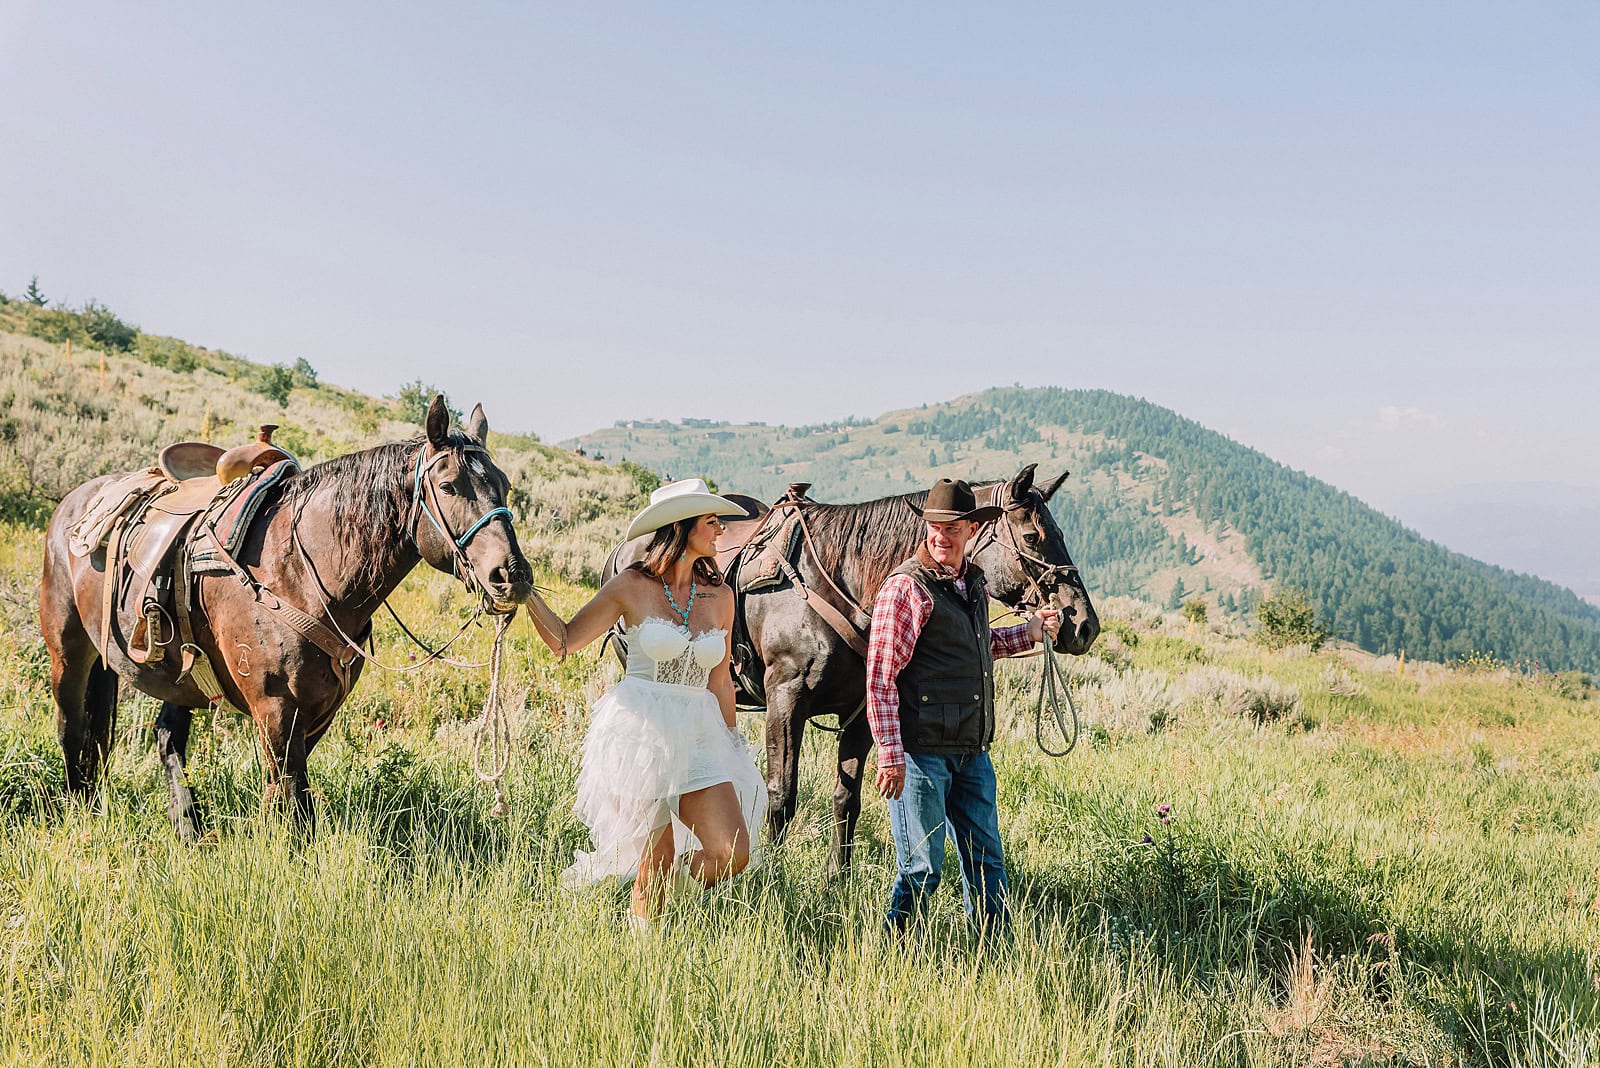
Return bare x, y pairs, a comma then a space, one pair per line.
683, 613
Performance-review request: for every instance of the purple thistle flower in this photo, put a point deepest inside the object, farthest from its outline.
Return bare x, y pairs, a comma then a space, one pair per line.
1148, 840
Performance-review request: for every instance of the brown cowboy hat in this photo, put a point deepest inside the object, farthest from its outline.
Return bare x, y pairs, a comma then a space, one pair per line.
951, 500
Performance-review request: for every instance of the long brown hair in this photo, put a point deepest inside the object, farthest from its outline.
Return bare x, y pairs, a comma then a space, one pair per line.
670, 543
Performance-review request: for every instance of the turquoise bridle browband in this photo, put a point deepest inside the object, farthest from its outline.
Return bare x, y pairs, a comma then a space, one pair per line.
420, 496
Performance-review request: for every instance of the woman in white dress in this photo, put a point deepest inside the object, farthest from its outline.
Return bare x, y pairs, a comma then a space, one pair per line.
665, 773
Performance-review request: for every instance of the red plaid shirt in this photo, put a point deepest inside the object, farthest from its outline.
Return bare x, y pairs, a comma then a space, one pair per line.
899, 613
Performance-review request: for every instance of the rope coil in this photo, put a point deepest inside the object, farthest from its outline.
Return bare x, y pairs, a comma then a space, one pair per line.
1053, 691
494, 725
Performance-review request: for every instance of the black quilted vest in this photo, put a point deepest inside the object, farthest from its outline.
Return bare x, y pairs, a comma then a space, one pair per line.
947, 690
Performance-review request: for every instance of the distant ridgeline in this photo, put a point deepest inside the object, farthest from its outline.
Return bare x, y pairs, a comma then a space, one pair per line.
1159, 507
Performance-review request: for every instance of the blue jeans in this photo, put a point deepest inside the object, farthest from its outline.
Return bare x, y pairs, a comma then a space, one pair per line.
950, 796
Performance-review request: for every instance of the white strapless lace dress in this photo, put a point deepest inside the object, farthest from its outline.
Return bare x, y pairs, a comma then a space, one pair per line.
655, 736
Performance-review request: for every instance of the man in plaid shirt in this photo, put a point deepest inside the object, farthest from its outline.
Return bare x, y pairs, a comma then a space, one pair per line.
930, 702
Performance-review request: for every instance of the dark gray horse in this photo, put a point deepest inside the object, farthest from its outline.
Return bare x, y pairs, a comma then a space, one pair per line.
800, 666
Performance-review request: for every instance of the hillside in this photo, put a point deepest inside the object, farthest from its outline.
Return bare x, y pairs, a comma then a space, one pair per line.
1158, 507
79, 397
1251, 857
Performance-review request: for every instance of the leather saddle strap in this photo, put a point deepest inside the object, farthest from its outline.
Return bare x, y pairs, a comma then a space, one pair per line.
307, 626
192, 660
830, 615
313, 630
108, 594
181, 592
805, 540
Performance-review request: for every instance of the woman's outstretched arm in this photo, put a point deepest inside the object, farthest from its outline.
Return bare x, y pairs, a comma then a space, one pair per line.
590, 622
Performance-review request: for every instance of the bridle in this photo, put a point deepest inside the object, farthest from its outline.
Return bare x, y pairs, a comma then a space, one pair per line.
425, 502
1043, 578
1053, 692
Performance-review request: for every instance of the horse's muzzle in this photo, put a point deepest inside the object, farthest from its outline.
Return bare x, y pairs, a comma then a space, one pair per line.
1077, 635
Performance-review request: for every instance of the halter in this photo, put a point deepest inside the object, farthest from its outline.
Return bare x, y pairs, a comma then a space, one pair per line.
1047, 573
419, 502
1053, 691
424, 499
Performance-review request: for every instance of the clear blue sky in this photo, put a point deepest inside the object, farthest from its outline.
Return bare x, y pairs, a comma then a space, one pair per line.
1364, 238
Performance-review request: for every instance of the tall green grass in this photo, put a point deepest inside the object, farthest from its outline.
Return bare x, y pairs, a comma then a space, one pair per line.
1398, 869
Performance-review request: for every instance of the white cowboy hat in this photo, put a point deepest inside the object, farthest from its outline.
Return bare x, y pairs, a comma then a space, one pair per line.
680, 500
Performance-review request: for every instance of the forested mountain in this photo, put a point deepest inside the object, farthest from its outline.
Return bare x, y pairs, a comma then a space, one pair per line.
1159, 507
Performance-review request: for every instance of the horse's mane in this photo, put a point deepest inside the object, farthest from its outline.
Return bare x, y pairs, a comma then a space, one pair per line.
862, 543
371, 500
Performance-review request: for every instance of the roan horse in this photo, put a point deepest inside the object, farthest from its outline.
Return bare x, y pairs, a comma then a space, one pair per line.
335, 543
807, 668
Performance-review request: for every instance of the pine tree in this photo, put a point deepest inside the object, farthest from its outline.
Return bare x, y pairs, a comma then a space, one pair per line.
33, 295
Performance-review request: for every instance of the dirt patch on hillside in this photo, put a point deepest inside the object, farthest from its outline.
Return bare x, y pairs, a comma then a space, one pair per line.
1224, 553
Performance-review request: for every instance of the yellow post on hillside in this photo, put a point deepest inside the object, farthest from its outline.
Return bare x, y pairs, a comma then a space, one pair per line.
1400, 668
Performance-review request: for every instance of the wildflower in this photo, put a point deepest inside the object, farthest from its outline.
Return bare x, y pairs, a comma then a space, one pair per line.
378, 723
1148, 840
411, 656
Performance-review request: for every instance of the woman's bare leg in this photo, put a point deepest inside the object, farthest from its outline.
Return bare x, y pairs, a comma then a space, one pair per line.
714, 816
651, 883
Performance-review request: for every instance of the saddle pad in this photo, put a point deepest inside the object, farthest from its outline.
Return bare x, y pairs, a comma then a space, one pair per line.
233, 523
115, 498
763, 567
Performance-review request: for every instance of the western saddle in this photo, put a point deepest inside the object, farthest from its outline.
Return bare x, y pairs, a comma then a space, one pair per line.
162, 526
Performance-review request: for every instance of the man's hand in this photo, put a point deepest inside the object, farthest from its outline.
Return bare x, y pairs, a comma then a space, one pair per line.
1048, 620
892, 781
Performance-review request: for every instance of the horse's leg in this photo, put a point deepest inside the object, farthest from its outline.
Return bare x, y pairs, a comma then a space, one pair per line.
172, 747
786, 730
85, 693
855, 742
284, 747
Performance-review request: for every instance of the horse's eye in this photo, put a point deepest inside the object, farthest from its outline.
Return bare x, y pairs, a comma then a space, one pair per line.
448, 488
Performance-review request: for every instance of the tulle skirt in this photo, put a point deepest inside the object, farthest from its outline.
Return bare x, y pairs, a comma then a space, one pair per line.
649, 743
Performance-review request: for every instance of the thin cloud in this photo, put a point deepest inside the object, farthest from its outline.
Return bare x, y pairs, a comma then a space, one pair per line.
1393, 418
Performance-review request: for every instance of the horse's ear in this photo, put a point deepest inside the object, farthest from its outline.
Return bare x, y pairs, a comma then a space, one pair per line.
478, 425
438, 422
1050, 490
1022, 483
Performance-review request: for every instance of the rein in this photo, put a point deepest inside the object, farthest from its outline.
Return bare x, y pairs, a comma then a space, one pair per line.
1054, 695
1053, 691
424, 499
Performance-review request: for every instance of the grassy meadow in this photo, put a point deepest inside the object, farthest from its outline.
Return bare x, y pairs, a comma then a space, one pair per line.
1387, 868
1362, 862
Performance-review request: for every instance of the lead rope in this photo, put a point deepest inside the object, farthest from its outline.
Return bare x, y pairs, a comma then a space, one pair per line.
1053, 694
1053, 691
494, 725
